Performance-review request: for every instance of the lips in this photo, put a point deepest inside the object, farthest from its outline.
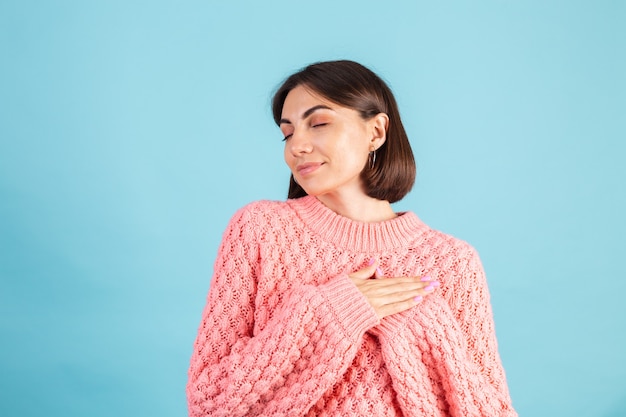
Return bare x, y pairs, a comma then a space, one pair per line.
308, 167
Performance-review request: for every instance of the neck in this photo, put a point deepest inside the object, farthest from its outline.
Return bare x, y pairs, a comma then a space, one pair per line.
359, 207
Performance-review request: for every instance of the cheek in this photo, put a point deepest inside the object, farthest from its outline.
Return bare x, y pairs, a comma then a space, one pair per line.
353, 151
359, 160
288, 157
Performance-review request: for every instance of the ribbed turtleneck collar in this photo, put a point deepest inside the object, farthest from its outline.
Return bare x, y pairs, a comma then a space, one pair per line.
356, 235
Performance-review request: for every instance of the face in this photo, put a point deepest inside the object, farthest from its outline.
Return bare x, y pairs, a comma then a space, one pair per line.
326, 144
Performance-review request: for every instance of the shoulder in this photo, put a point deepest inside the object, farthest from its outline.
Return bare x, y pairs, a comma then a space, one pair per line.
445, 243
449, 252
455, 263
257, 216
261, 210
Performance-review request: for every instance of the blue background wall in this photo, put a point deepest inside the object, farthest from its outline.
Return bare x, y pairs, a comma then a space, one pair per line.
130, 132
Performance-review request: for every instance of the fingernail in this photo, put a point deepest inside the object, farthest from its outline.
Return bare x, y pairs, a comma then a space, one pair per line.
379, 271
426, 278
429, 288
371, 262
435, 284
418, 298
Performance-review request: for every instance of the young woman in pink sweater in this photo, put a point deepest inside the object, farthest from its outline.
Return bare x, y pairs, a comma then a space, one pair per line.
332, 304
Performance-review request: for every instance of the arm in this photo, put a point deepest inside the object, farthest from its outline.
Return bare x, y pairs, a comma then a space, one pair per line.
287, 366
450, 338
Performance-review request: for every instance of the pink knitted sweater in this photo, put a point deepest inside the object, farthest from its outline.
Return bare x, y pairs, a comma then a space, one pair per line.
286, 333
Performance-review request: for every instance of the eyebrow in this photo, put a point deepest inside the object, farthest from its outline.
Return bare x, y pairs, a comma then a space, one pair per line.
307, 113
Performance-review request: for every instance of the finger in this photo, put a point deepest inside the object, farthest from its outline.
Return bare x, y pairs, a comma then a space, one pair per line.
398, 303
421, 280
431, 286
396, 285
400, 297
380, 295
378, 273
367, 271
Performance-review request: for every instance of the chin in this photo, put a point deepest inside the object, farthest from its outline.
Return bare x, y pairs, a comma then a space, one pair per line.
315, 192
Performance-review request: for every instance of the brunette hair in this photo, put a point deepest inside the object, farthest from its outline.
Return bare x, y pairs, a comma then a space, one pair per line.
352, 85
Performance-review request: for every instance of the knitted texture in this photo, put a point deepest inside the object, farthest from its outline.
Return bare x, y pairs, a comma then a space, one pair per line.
285, 332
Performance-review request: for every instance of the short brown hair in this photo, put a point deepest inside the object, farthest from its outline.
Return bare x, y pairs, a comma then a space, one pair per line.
352, 85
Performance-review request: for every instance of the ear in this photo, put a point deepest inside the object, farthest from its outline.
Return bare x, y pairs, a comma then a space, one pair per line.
378, 127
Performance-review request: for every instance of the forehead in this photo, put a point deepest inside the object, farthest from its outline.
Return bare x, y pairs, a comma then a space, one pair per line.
302, 101
303, 96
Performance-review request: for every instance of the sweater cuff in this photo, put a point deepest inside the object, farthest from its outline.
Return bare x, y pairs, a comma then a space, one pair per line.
351, 309
394, 325
433, 309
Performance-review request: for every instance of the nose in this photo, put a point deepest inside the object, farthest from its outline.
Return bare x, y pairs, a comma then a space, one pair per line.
299, 143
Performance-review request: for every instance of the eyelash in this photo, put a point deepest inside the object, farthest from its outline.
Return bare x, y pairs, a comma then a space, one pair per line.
316, 125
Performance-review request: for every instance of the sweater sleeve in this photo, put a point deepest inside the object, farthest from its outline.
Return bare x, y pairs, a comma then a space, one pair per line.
285, 367
450, 338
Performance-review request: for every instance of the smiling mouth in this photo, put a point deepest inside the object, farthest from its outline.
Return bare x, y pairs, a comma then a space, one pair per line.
308, 167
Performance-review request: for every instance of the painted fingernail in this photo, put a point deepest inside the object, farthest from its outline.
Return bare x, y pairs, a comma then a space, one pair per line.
379, 271
429, 288
418, 298
371, 262
434, 284
426, 278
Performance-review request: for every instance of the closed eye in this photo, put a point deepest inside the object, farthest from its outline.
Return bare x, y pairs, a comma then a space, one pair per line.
320, 124
287, 137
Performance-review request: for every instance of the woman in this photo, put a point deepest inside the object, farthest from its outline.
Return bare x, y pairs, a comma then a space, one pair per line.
330, 303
